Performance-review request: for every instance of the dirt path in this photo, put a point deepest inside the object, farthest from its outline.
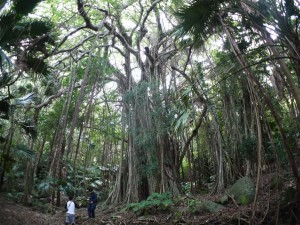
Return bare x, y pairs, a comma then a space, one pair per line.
13, 214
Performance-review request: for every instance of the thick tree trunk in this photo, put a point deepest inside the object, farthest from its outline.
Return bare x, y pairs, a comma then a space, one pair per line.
219, 158
27, 182
169, 180
132, 189
117, 195
149, 166
38, 157
151, 162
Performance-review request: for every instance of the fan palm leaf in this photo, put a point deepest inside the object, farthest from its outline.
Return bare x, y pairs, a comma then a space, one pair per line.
22, 151
23, 8
200, 19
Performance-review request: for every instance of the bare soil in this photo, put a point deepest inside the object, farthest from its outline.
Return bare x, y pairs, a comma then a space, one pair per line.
13, 214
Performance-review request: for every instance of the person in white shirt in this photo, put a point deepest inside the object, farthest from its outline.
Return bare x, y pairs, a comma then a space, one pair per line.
70, 217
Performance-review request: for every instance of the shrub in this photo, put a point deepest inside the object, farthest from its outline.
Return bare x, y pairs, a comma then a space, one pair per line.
155, 202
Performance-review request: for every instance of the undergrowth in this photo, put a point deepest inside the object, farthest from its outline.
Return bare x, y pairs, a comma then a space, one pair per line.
154, 203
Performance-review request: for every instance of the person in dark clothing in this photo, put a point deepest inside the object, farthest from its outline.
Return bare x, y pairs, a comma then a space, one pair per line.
92, 204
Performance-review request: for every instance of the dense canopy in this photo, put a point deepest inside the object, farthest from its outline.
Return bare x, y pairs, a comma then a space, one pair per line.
136, 98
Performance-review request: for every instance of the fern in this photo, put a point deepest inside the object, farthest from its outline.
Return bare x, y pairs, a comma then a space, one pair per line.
154, 202
22, 151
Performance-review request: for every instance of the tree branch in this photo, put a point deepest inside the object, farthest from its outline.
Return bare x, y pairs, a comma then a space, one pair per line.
49, 100
203, 101
148, 13
201, 98
88, 24
76, 46
85, 17
65, 38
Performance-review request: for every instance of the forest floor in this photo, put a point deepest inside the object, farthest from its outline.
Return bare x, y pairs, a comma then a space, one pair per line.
267, 212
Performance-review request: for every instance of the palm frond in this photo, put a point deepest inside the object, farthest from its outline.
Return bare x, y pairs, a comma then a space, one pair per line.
33, 28
182, 120
44, 187
23, 152
25, 100
36, 65
200, 18
5, 62
7, 20
22, 7
29, 128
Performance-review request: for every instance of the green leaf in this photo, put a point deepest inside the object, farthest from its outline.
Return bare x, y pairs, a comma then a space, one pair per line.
4, 57
200, 19
34, 28
36, 64
182, 120
24, 152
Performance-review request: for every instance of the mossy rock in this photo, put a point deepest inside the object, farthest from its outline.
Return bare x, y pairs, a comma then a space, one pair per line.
212, 206
288, 196
224, 199
243, 191
206, 206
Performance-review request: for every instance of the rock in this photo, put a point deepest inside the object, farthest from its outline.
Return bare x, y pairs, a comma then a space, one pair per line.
243, 191
211, 206
224, 199
207, 206
288, 196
